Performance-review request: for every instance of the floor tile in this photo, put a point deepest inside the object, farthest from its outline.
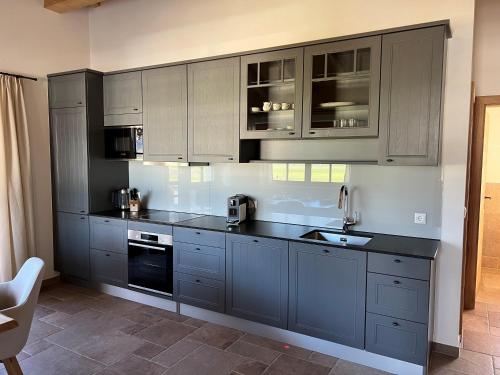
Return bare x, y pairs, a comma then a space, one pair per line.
40, 330
494, 318
176, 352
468, 363
278, 346
37, 347
112, 304
133, 329
286, 365
194, 322
132, 365
496, 362
166, 333
72, 305
323, 359
41, 311
258, 353
207, 361
56, 360
475, 323
250, 368
161, 314
58, 319
148, 350
348, 368
481, 342
216, 335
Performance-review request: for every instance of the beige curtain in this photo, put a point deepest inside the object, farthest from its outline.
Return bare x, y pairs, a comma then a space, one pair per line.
16, 208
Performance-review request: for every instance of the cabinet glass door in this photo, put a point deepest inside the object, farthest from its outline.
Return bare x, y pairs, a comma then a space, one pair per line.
342, 89
271, 93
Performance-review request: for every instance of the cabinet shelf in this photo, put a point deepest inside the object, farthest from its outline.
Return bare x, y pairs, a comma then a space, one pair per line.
341, 77
281, 111
285, 83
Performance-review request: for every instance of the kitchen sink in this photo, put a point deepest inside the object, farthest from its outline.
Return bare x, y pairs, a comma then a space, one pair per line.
336, 238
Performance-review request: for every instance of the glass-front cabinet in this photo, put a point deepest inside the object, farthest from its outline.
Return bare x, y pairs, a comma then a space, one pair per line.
271, 94
341, 89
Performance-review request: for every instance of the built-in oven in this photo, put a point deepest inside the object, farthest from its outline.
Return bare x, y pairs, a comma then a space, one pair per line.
123, 142
150, 262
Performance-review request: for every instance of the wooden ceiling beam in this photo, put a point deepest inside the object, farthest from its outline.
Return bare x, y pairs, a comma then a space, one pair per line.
63, 6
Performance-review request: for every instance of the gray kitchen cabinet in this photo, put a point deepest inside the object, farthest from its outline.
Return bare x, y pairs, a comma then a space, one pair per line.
411, 96
67, 91
327, 293
397, 338
72, 240
108, 234
200, 237
108, 267
395, 265
274, 77
257, 279
399, 297
341, 89
69, 159
122, 99
165, 114
199, 291
200, 260
213, 111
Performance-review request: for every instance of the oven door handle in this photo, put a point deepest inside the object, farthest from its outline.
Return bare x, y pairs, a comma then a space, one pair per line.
146, 246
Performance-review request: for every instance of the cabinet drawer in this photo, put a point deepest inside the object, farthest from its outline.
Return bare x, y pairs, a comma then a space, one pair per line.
260, 241
108, 267
150, 228
200, 260
199, 291
397, 338
414, 268
108, 234
200, 237
398, 297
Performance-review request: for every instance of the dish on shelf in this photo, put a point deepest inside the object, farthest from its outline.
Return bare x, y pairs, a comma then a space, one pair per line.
255, 109
335, 104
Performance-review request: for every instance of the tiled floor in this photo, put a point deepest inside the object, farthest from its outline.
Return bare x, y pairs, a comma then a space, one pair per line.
78, 331
481, 335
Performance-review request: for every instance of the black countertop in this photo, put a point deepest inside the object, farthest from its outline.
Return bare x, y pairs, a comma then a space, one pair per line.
380, 243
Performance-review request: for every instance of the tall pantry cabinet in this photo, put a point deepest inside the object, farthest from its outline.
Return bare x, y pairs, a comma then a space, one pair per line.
82, 180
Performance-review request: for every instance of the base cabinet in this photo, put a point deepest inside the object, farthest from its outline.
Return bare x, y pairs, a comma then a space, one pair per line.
72, 245
327, 293
257, 279
199, 291
108, 267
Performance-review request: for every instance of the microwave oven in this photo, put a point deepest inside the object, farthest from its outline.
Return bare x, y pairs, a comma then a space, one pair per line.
124, 142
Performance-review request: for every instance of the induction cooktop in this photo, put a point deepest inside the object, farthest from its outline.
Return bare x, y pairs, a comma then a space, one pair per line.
168, 216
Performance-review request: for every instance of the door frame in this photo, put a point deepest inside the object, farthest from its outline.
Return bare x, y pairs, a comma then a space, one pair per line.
473, 197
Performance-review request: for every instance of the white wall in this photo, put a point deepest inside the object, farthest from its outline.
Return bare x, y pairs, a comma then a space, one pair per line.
145, 32
487, 47
35, 42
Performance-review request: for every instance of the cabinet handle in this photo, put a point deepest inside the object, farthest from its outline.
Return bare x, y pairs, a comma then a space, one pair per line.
255, 240
82, 217
198, 280
397, 260
390, 160
106, 221
197, 232
180, 158
395, 324
396, 282
230, 158
326, 251
107, 255
136, 109
291, 133
79, 103
312, 132
82, 211
197, 248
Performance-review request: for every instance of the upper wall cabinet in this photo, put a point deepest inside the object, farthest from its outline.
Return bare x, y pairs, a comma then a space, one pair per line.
410, 97
341, 89
123, 99
165, 113
67, 91
271, 94
213, 110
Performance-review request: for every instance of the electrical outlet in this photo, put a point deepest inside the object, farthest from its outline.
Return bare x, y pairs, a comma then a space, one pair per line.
420, 218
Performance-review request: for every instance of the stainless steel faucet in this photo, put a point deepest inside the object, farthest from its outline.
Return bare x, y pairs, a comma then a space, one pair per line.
347, 220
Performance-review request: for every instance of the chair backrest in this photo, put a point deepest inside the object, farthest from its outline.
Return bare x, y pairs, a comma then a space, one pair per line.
23, 291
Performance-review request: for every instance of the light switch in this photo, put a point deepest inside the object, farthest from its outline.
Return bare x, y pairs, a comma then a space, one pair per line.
420, 218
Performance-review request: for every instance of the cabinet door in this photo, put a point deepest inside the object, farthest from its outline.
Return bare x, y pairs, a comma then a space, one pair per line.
69, 159
122, 93
327, 293
107, 267
213, 110
257, 279
108, 234
273, 77
341, 89
67, 91
410, 97
165, 114
199, 291
72, 245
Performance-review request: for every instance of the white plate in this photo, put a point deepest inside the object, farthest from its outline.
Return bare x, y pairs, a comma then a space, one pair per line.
335, 104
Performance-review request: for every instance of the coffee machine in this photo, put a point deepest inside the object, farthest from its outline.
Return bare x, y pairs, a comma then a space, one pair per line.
239, 208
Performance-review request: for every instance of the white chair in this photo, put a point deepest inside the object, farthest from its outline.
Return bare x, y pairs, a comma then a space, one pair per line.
18, 300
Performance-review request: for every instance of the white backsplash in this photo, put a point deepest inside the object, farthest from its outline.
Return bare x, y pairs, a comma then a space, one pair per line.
385, 197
